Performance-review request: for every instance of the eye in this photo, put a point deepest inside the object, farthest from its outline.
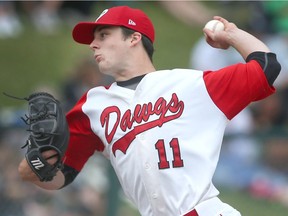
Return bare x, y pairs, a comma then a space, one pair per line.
103, 35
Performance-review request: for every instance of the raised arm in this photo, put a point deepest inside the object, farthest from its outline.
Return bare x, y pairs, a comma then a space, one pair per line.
242, 41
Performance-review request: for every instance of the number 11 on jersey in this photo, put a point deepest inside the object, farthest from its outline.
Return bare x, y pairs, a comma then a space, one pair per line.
163, 162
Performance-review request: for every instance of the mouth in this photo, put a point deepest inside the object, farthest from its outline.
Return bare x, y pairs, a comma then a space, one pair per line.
97, 58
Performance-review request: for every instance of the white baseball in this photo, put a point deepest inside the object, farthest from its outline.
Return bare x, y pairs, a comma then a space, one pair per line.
214, 25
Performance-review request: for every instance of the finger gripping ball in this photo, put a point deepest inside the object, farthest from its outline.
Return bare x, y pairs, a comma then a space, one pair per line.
214, 25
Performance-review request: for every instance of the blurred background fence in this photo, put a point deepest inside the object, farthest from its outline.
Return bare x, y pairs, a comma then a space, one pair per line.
37, 53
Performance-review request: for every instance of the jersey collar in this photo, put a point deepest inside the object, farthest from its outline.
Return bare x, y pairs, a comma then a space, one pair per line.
131, 83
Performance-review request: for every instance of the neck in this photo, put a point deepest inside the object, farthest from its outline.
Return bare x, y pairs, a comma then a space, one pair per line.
134, 72
137, 64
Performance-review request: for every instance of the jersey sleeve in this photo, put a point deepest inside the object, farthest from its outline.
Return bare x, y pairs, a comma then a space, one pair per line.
233, 88
83, 141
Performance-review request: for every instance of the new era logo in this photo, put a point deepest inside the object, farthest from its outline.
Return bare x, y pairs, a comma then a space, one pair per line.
131, 22
37, 164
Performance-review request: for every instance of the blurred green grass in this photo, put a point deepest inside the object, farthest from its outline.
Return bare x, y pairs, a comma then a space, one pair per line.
242, 201
34, 59
250, 206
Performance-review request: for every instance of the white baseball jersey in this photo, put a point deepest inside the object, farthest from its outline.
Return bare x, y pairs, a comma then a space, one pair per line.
164, 138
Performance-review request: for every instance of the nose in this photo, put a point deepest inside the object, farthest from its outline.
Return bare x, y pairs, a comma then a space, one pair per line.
94, 45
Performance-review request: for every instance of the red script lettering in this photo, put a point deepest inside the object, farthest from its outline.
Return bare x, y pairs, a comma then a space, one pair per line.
141, 116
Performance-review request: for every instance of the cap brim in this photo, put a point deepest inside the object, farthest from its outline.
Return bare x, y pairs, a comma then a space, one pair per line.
83, 32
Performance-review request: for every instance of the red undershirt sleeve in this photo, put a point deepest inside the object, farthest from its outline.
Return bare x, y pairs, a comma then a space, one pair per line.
83, 141
233, 88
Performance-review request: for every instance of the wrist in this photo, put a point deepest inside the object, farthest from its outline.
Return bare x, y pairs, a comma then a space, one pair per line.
245, 43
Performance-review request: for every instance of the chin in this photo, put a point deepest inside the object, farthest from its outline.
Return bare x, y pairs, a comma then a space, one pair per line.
105, 71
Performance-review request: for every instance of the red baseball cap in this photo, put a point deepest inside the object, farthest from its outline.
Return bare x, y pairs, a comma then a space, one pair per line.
131, 18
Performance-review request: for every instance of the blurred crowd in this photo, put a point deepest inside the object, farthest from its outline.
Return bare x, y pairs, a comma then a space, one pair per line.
254, 156
48, 17
44, 15
88, 195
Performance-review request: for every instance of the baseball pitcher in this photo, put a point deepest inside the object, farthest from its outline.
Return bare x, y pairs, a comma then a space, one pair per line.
161, 130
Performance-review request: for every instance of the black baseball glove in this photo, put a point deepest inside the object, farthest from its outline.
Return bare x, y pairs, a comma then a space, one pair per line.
48, 130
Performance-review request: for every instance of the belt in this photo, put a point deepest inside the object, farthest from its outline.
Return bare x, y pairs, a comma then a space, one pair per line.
208, 207
192, 213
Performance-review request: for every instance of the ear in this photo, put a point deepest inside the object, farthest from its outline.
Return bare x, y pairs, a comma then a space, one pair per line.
135, 38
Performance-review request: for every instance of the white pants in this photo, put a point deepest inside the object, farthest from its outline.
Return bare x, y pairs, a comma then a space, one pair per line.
215, 207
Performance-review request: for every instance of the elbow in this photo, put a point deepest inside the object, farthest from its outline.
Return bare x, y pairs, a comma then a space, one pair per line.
272, 71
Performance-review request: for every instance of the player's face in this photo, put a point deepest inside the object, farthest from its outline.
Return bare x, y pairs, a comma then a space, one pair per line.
110, 50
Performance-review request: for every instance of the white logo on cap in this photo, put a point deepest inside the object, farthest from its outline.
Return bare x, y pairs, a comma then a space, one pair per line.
131, 22
103, 12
